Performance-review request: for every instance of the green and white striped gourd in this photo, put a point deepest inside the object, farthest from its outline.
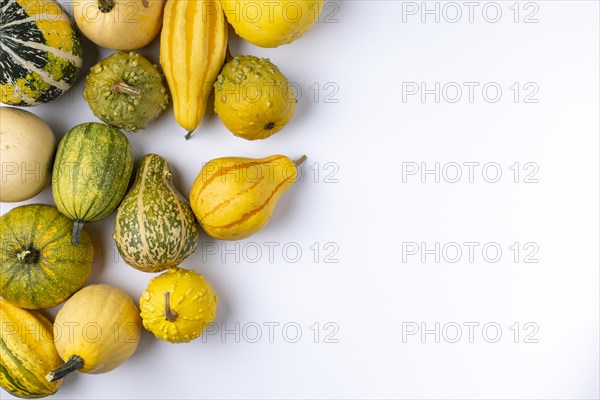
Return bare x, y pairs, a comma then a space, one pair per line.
155, 228
40, 52
91, 173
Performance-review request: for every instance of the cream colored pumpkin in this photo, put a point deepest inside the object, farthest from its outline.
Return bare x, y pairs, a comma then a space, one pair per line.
27, 147
97, 330
119, 24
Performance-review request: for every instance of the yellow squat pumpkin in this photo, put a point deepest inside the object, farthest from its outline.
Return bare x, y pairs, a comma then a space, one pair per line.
100, 329
178, 305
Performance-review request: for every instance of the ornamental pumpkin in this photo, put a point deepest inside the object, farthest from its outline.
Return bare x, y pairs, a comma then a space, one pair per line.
40, 52
104, 331
269, 23
39, 267
119, 24
91, 173
253, 99
155, 228
178, 305
27, 352
27, 147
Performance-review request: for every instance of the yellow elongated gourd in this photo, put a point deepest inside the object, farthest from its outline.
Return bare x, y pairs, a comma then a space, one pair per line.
193, 44
27, 352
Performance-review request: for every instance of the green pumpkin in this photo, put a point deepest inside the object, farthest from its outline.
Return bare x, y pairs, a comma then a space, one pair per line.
155, 228
40, 52
39, 266
91, 173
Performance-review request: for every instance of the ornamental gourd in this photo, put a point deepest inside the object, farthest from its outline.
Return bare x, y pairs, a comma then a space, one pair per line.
104, 331
39, 267
27, 147
40, 52
126, 90
155, 228
119, 24
234, 197
178, 305
270, 23
193, 44
253, 99
27, 352
91, 173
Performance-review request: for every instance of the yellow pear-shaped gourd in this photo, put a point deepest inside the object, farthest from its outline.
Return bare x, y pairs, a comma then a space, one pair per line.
234, 197
97, 329
270, 23
27, 352
178, 305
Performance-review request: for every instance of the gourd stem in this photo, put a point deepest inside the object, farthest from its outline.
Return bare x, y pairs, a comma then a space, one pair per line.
299, 161
122, 87
105, 5
73, 364
77, 225
189, 134
170, 314
29, 255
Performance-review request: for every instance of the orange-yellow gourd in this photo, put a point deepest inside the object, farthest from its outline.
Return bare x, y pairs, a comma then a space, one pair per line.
193, 44
234, 197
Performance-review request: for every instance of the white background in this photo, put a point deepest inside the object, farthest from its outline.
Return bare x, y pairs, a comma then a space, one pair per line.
369, 51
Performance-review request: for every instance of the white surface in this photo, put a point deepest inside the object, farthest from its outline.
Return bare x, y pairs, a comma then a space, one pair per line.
371, 294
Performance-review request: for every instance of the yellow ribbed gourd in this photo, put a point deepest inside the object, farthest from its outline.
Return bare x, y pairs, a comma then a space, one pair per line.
234, 197
193, 44
100, 329
178, 305
27, 352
